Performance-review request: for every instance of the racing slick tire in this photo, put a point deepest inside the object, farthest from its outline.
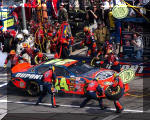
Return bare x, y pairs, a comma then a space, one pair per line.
36, 59
33, 88
94, 62
114, 93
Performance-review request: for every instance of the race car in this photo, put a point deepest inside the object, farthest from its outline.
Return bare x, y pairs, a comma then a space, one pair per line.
72, 76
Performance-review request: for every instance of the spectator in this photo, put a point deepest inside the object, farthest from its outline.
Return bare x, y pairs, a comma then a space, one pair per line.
101, 34
62, 14
138, 46
93, 16
106, 7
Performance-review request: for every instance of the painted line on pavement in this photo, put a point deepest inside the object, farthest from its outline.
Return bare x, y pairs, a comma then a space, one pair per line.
72, 106
5, 74
111, 117
4, 78
4, 84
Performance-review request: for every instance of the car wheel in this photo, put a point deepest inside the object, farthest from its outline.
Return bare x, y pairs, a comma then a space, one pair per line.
33, 88
114, 93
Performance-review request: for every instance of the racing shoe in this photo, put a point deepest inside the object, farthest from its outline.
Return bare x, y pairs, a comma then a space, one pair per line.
119, 110
103, 107
54, 106
37, 103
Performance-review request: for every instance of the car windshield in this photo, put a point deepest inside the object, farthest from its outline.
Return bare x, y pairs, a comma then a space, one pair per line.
80, 68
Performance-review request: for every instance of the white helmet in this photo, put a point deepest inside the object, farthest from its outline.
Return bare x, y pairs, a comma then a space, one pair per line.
26, 32
19, 36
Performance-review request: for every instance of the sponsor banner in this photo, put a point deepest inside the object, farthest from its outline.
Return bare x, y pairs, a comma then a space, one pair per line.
9, 22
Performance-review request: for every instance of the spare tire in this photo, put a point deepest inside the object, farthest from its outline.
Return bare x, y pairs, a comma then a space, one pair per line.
114, 93
36, 60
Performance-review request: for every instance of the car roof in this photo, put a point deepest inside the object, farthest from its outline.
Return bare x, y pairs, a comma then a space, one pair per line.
61, 62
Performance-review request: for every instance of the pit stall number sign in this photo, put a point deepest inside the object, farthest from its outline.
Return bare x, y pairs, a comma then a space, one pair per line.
136, 68
9, 22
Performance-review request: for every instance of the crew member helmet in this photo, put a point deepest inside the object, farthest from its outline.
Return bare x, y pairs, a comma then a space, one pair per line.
86, 29
12, 52
19, 36
25, 45
26, 32
40, 54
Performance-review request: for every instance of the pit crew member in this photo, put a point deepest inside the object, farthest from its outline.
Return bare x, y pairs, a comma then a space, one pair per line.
48, 86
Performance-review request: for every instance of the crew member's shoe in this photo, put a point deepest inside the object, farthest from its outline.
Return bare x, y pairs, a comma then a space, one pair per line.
119, 110
81, 106
37, 103
54, 106
103, 107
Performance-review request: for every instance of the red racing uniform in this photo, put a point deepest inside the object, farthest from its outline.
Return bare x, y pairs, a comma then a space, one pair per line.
92, 88
63, 40
48, 82
14, 59
32, 52
118, 82
89, 41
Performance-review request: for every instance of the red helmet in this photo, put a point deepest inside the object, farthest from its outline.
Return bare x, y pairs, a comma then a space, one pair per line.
40, 54
86, 29
25, 45
116, 62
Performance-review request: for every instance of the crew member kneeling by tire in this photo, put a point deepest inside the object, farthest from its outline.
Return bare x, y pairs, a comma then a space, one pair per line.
92, 88
117, 90
48, 85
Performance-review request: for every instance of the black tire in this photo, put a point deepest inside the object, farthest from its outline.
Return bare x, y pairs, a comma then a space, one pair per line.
36, 60
94, 62
117, 92
33, 88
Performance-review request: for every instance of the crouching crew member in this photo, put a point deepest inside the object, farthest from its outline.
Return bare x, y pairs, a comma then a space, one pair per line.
14, 59
39, 58
92, 88
48, 86
32, 52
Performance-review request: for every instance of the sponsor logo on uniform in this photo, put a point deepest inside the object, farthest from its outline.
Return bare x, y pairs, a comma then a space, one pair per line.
29, 76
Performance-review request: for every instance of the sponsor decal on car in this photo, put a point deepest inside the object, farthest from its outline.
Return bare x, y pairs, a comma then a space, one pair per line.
29, 76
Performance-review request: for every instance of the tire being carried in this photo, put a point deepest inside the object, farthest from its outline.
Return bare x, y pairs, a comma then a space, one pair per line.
37, 61
114, 93
33, 88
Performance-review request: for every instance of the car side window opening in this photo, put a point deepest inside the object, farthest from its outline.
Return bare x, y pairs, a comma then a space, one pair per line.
80, 68
61, 71
42, 69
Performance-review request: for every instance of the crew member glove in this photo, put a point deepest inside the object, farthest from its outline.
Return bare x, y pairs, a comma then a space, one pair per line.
5, 65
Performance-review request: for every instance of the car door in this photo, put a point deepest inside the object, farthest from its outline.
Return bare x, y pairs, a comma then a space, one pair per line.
68, 82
